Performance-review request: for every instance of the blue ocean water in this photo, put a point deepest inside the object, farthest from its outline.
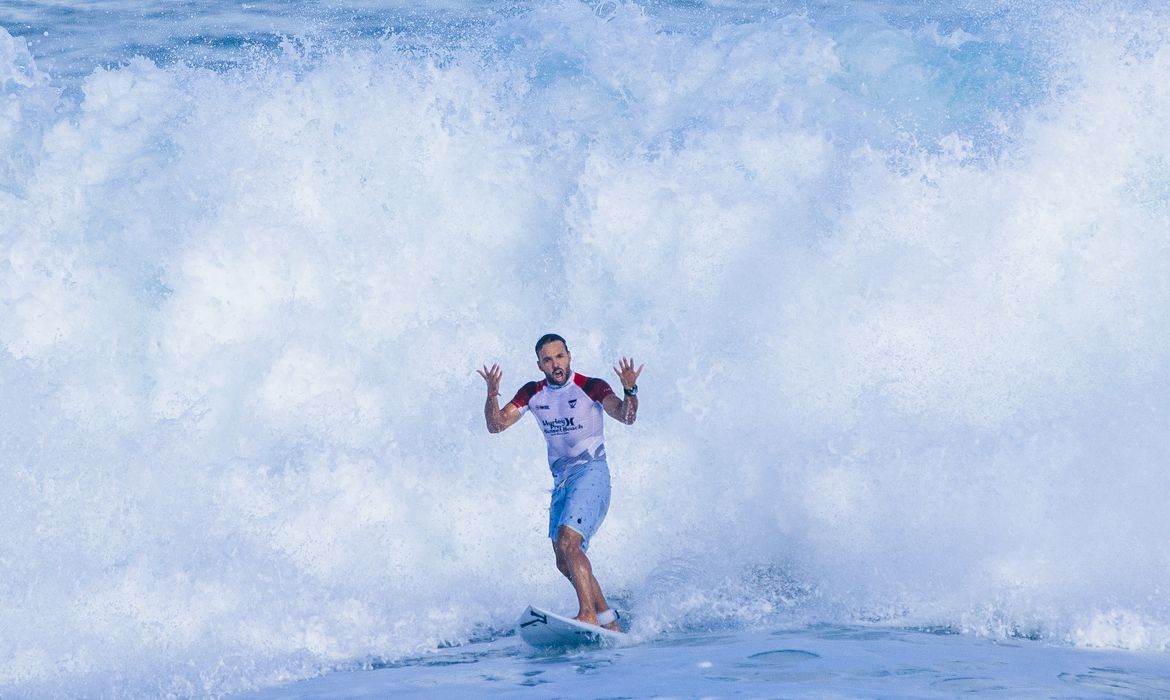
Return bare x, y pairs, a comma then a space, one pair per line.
899, 272
837, 661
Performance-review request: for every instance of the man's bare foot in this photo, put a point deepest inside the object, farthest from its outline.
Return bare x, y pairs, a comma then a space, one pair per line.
592, 620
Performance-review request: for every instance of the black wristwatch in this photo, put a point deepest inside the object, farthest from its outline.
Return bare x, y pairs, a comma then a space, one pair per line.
632, 391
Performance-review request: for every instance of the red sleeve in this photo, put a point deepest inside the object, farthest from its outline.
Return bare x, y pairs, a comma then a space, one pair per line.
597, 389
525, 394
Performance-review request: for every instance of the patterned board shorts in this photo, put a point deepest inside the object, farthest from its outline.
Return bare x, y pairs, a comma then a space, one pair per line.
580, 501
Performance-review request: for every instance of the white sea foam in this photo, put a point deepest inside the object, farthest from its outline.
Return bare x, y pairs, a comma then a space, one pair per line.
900, 288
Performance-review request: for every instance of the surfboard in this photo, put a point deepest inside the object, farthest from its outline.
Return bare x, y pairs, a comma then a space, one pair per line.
544, 629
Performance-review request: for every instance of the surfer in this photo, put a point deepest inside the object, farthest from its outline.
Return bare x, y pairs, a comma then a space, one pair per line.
569, 409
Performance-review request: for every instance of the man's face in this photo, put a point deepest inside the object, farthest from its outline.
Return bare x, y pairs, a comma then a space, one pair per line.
553, 360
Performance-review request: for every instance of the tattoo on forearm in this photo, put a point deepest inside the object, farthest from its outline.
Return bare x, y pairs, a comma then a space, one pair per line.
631, 409
491, 412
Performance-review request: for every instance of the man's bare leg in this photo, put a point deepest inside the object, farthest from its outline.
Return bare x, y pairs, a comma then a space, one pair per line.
573, 563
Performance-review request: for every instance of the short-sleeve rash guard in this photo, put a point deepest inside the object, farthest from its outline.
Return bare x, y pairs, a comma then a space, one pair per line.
570, 416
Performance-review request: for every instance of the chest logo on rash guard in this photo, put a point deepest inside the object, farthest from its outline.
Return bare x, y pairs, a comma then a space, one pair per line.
572, 403
560, 425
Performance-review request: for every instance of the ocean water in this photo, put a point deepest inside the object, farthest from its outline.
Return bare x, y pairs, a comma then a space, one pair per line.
821, 661
899, 272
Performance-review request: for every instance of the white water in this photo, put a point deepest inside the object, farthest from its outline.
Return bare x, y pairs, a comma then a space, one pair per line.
901, 283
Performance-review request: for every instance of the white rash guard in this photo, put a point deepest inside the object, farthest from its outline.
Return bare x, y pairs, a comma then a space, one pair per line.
571, 417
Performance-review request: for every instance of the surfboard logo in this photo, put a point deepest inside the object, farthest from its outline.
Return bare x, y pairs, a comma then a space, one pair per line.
537, 617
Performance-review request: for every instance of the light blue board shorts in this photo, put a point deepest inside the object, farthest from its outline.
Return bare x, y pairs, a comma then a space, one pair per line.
580, 501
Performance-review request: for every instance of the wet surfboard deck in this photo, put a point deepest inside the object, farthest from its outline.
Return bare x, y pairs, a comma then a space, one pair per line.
548, 630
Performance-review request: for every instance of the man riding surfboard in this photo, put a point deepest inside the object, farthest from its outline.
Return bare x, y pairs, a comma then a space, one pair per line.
569, 409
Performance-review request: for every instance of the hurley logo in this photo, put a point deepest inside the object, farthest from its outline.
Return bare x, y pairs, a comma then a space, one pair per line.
560, 425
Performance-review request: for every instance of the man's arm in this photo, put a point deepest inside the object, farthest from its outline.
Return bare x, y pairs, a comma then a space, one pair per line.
625, 410
498, 419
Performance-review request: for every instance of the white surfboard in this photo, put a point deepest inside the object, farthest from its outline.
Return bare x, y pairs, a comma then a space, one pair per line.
541, 628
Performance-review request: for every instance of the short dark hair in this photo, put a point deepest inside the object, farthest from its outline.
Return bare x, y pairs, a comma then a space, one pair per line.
549, 338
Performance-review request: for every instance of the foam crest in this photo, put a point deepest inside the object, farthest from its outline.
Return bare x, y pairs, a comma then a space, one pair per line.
26, 101
903, 356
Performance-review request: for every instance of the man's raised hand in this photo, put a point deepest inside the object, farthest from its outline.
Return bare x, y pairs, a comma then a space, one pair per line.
626, 372
492, 377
